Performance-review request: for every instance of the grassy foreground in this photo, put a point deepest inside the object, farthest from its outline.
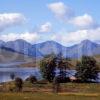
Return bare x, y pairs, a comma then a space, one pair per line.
46, 96
69, 91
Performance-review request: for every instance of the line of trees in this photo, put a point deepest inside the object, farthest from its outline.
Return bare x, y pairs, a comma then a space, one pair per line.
86, 68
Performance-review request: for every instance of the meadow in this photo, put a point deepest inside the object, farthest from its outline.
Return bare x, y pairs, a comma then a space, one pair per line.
69, 91
45, 96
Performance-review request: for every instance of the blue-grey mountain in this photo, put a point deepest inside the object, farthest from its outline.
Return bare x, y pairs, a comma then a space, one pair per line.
39, 50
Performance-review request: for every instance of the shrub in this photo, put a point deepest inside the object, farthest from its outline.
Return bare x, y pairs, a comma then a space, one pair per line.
18, 84
32, 79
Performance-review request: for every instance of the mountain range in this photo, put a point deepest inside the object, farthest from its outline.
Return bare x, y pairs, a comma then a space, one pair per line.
39, 50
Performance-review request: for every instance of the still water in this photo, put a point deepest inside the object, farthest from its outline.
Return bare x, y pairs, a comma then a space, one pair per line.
24, 73
19, 72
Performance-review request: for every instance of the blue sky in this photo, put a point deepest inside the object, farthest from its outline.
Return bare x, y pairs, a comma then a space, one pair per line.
65, 21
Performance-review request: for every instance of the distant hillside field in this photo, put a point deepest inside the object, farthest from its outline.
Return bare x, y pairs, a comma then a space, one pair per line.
9, 56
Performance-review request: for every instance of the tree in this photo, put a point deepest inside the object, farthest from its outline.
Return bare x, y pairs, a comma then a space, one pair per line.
63, 65
50, 63
18, 83
47, 66
87, 69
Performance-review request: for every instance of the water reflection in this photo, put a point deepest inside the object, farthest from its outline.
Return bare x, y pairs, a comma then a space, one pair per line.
19, 72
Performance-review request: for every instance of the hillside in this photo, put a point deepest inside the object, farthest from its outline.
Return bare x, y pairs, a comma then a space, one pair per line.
7, 56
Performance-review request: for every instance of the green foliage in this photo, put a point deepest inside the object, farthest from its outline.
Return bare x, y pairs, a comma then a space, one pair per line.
87, 69
50, 62
47, 66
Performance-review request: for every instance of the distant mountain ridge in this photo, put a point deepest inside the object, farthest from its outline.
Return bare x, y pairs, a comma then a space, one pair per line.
39, 50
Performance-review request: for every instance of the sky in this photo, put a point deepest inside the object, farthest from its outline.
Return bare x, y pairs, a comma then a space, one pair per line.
65, 21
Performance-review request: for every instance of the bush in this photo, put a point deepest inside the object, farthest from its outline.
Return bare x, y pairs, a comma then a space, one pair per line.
18, 84
32, 79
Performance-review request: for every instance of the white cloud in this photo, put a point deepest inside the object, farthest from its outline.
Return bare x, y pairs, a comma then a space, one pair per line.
10, 19
61, 10
29, 37
66, 14
84, 22
46, 27
71, 38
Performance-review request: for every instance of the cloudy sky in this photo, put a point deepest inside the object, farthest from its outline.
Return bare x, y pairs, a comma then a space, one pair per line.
65, 21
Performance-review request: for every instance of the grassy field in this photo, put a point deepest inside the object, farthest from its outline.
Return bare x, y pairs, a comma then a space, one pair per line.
46, 96
69, 91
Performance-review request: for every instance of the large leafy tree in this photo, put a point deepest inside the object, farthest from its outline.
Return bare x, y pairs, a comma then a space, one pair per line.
50, 63
87, 69
47, 66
